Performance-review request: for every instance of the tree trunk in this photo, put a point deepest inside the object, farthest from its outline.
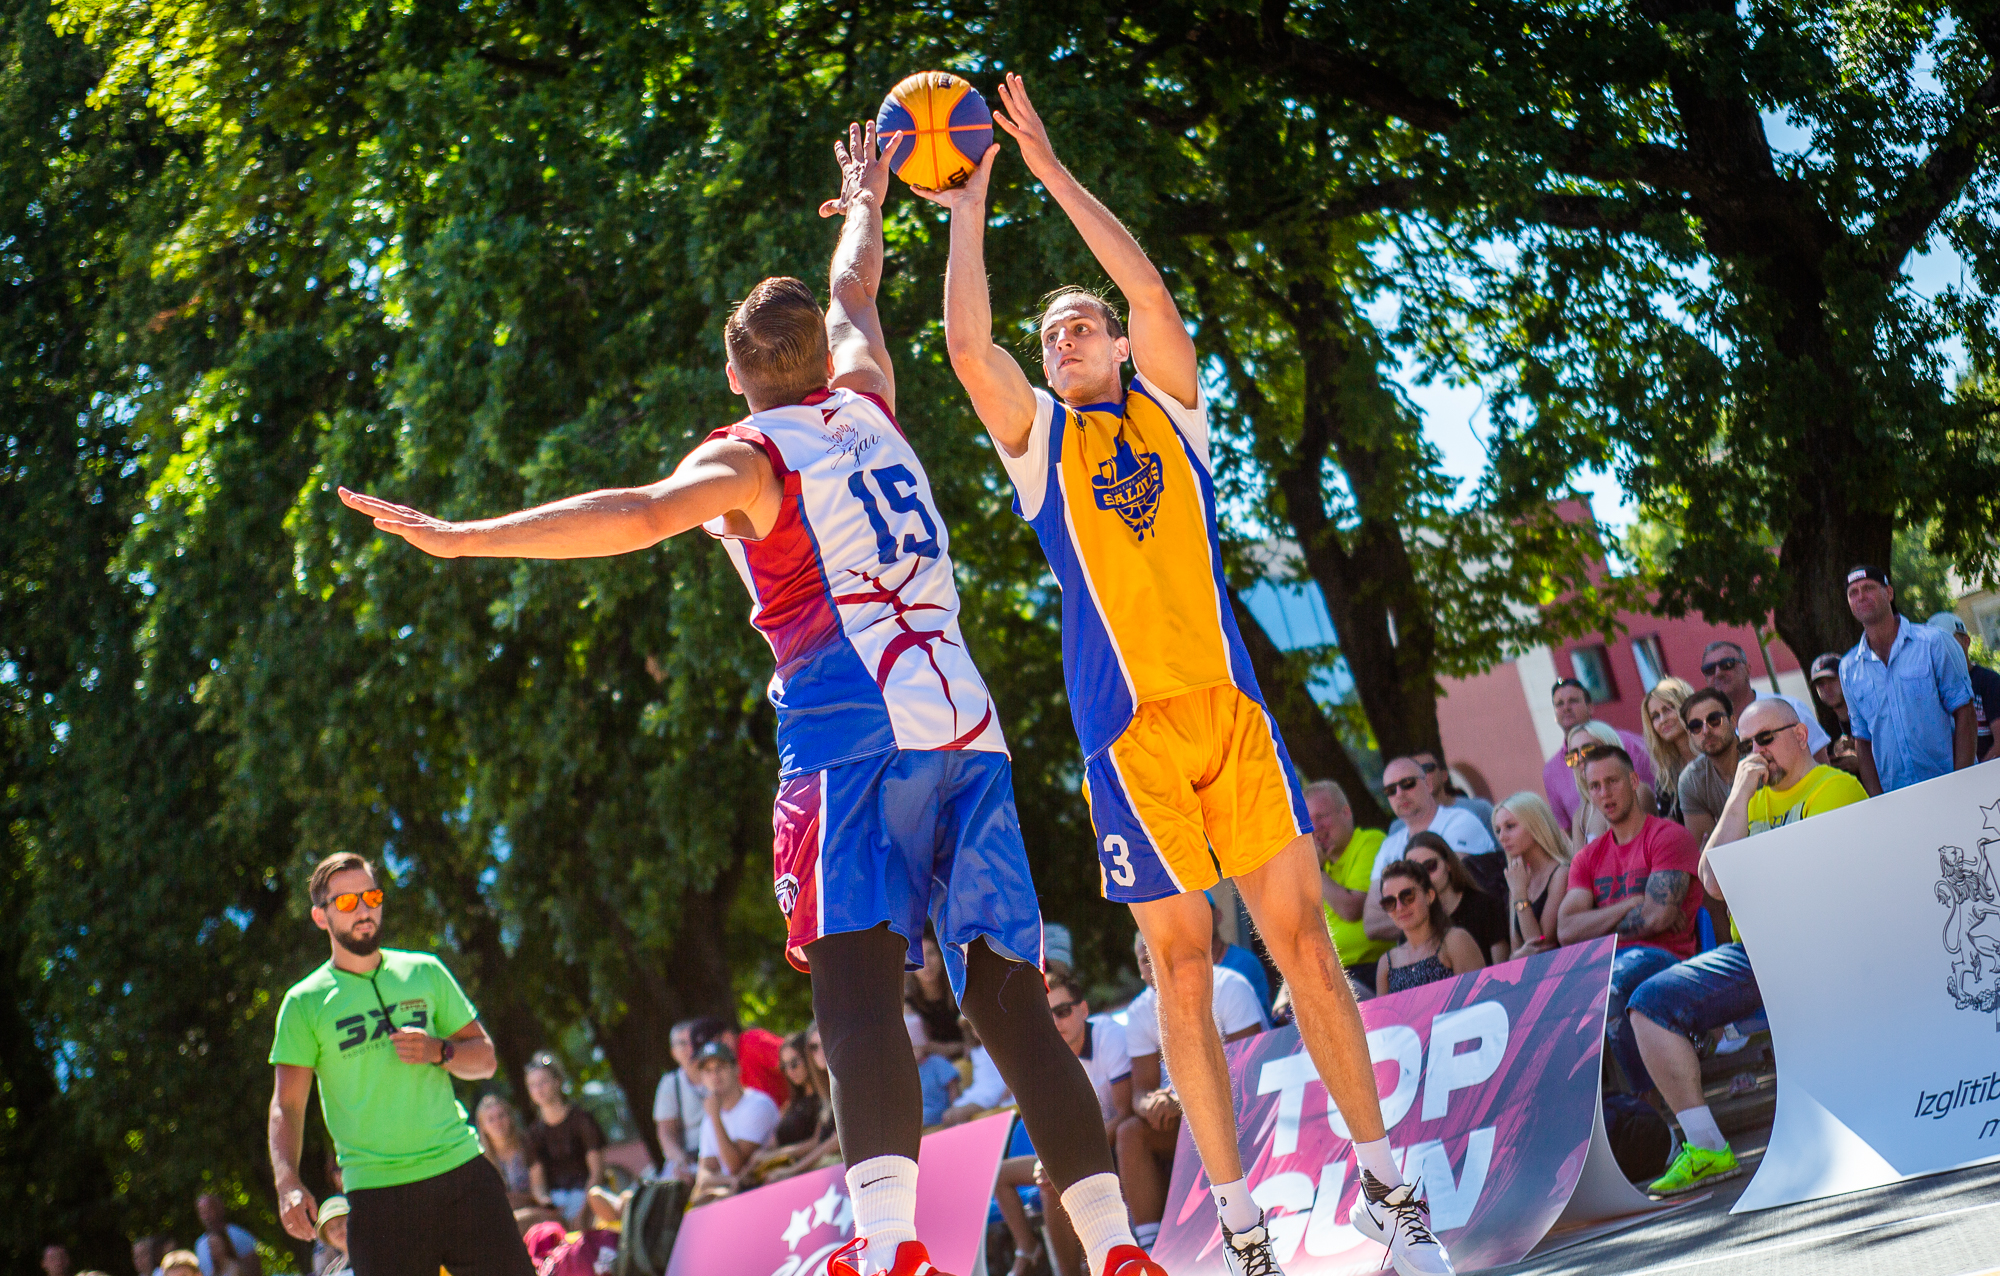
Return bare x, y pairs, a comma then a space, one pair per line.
1818, 550
1310, 737
637, 1044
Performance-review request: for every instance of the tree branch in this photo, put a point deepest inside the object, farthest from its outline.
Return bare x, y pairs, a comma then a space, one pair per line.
1934, 184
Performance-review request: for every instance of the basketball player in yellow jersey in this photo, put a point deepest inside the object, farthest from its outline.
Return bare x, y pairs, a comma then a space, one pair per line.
1180, 752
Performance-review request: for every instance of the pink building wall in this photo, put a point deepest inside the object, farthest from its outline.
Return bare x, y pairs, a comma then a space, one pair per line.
1498, 730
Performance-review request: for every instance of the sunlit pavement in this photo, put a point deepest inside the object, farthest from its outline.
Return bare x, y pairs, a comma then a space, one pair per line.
1944, 1225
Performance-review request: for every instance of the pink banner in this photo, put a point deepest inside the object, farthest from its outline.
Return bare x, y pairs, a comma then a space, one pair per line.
792, 1227
1489, 1087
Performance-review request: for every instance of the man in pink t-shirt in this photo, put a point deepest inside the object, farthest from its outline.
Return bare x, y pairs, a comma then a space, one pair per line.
1638, 882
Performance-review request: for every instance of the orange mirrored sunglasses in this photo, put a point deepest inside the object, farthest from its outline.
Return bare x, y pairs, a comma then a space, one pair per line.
348, 901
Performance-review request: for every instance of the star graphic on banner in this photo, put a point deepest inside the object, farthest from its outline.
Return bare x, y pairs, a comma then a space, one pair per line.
801, 1227
844, 1219
1992, 818
824, 1207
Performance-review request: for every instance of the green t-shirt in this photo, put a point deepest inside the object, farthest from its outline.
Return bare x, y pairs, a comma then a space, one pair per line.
1352, 871
392, 1122
1818, 791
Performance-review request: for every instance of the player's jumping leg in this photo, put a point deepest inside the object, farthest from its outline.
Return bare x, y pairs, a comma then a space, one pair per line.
1283, 898
878, 1102
1008, 1003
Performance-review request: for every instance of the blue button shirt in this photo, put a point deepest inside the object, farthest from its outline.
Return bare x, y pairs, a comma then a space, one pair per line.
1904, 708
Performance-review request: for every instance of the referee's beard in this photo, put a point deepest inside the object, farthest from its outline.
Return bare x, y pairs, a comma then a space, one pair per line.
363, 945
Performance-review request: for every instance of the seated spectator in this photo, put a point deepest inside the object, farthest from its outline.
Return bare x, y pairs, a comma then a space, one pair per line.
1831, 710
756, 1051
565, 1144
927, 993
736, 1121
223, 1249
1438, 776
1985, 685
1588, 822
805, 1131
1146, 1140
330, 1237
938, 1078
1727, 669
1667, 743
1636, 882
146, 1253
1411, 799
1346, 860
1058, 949
1538, 856
1239, 959
677, 1105
56, 1261
1432, 948
503, 1144
1467, 905
1778, 783
1571, 700
988, 1089
1705, 783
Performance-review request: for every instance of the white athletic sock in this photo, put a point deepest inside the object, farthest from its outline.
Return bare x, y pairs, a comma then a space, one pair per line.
1145, 1234
1096, 1210
1374, 1158
884, 1192
1699, 1128
1232, 1201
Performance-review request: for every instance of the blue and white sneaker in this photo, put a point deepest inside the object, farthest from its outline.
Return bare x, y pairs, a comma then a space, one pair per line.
1401, 1220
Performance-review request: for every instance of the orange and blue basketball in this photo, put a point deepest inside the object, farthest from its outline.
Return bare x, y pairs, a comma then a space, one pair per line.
945, 129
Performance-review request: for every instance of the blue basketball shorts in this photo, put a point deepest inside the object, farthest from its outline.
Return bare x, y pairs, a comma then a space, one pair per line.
901, 837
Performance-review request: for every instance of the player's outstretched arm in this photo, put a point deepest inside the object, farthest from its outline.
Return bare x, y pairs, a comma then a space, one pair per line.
998, 388
1161, 347
722, 476
853, 324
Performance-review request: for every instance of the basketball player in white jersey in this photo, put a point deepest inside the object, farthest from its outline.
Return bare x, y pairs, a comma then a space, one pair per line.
896, 799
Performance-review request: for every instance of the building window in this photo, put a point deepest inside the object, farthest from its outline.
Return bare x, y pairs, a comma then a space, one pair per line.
1651, 660
1593, 670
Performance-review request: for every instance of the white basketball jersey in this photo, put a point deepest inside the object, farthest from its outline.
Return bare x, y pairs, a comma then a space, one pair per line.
854, 591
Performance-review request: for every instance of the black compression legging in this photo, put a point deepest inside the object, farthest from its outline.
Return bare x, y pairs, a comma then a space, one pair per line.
857, 983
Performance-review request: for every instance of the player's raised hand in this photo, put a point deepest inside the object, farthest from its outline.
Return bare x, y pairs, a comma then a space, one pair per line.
970, 193
861, 168
1021, 123
434, 536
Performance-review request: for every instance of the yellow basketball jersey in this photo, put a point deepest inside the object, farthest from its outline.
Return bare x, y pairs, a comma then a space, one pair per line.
1127, 519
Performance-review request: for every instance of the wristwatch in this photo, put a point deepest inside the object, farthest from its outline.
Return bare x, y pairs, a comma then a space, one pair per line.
445, 1051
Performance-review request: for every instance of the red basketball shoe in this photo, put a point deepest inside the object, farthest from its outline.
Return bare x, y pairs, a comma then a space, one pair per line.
1130, 1260
912, 1259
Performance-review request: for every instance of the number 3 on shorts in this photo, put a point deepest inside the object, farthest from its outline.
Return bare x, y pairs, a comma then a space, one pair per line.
1121, 856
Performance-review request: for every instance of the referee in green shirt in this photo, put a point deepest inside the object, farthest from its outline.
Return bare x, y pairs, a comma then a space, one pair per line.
380, 1029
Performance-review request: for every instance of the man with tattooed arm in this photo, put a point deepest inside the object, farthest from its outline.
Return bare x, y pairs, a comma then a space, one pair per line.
1637, 881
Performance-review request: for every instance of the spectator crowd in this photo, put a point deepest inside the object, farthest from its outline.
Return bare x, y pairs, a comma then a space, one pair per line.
1616, 844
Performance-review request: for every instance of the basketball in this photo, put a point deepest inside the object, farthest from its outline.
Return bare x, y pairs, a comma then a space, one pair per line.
945, 126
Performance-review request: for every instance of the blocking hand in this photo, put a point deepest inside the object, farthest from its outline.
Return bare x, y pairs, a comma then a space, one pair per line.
862, 169
434, 536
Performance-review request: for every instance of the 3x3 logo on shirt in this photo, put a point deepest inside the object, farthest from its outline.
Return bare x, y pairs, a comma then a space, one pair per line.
361, 1029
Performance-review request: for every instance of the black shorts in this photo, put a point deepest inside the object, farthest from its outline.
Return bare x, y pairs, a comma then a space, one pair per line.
457, 1220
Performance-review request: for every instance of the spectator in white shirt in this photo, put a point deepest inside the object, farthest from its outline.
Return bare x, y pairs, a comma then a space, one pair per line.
224, 1247
988, 1089
1145, 1142
735, 1121
677, 1107
1410, 797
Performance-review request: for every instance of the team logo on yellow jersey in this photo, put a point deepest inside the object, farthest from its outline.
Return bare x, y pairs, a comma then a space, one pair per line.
1131, 485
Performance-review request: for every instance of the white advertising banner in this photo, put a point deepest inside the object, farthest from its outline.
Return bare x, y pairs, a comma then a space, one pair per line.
1874, 931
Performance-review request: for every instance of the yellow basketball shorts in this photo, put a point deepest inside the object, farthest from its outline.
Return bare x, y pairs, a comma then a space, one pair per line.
1200, 770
